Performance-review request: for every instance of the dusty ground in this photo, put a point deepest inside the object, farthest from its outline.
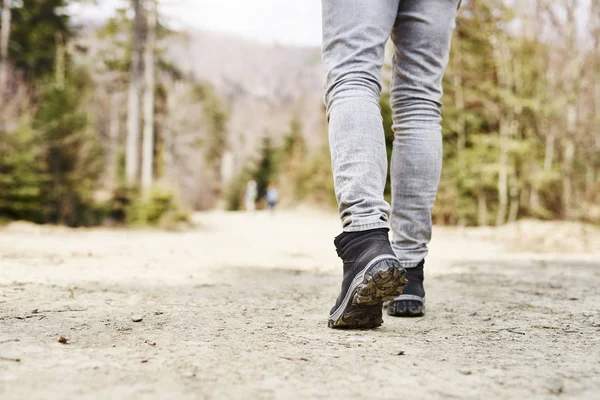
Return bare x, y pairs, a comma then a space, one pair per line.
237, 309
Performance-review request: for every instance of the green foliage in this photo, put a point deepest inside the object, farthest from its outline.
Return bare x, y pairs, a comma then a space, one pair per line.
293, 162
387, 116
118, 46
215, 117
316, 182
37, 28
48, 171
123, 198
72, 155
464, 179
50, 165
309, 173
300, 175
471, 174
267, 170
21, 176
294, 141
234, 194
264, 172
159, 209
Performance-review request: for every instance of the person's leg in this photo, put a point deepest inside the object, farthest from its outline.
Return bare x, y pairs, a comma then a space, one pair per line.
354, 37
421, 35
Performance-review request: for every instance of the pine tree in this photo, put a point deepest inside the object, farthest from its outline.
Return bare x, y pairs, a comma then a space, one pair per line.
49, 166
72, 156
267, 170
22, 176
37, 27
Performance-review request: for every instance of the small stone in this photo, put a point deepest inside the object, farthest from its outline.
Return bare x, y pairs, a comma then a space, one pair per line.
63, 340
556, 387
465, 371
137, 318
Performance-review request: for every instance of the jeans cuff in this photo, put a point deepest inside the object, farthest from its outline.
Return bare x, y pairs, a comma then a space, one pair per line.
366, 227
409, 264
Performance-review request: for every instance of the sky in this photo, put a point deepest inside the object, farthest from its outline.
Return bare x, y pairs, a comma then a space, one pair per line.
290, 22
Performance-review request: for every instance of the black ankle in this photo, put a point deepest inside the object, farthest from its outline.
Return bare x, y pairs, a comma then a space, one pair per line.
415, 277
349, 245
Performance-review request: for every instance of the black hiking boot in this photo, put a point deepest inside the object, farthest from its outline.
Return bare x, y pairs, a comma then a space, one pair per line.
372, 275
411, 303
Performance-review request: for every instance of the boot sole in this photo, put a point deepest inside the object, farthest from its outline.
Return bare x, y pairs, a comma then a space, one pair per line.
407, 308
382, 281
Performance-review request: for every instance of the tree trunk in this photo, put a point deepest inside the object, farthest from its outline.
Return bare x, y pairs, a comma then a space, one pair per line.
502, 59
60, 68
459, 100
514, 199
597, 113
149, 78
515, 133
534, 192
460, 104
569, 155
4, 40
133, 108
573, 111
534, 201
503, 174
549, 153
590, 177
482, 214
114, 128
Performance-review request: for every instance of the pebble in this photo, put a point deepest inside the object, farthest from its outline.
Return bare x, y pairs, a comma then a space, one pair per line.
137, 318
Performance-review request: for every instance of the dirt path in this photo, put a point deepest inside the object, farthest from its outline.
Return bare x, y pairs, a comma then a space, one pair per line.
237, 309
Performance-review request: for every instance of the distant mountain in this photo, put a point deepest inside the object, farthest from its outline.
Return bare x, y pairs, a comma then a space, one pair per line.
265, 85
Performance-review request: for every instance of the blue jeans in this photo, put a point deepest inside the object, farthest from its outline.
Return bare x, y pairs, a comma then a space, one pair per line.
354, 36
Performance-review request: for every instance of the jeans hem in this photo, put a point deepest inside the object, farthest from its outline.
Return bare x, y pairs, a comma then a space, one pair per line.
409, 264
366, 227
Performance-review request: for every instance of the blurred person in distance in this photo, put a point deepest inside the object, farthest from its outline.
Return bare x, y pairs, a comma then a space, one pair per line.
272, 197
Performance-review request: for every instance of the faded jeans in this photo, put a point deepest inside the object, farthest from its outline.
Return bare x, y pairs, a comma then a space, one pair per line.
354, 36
